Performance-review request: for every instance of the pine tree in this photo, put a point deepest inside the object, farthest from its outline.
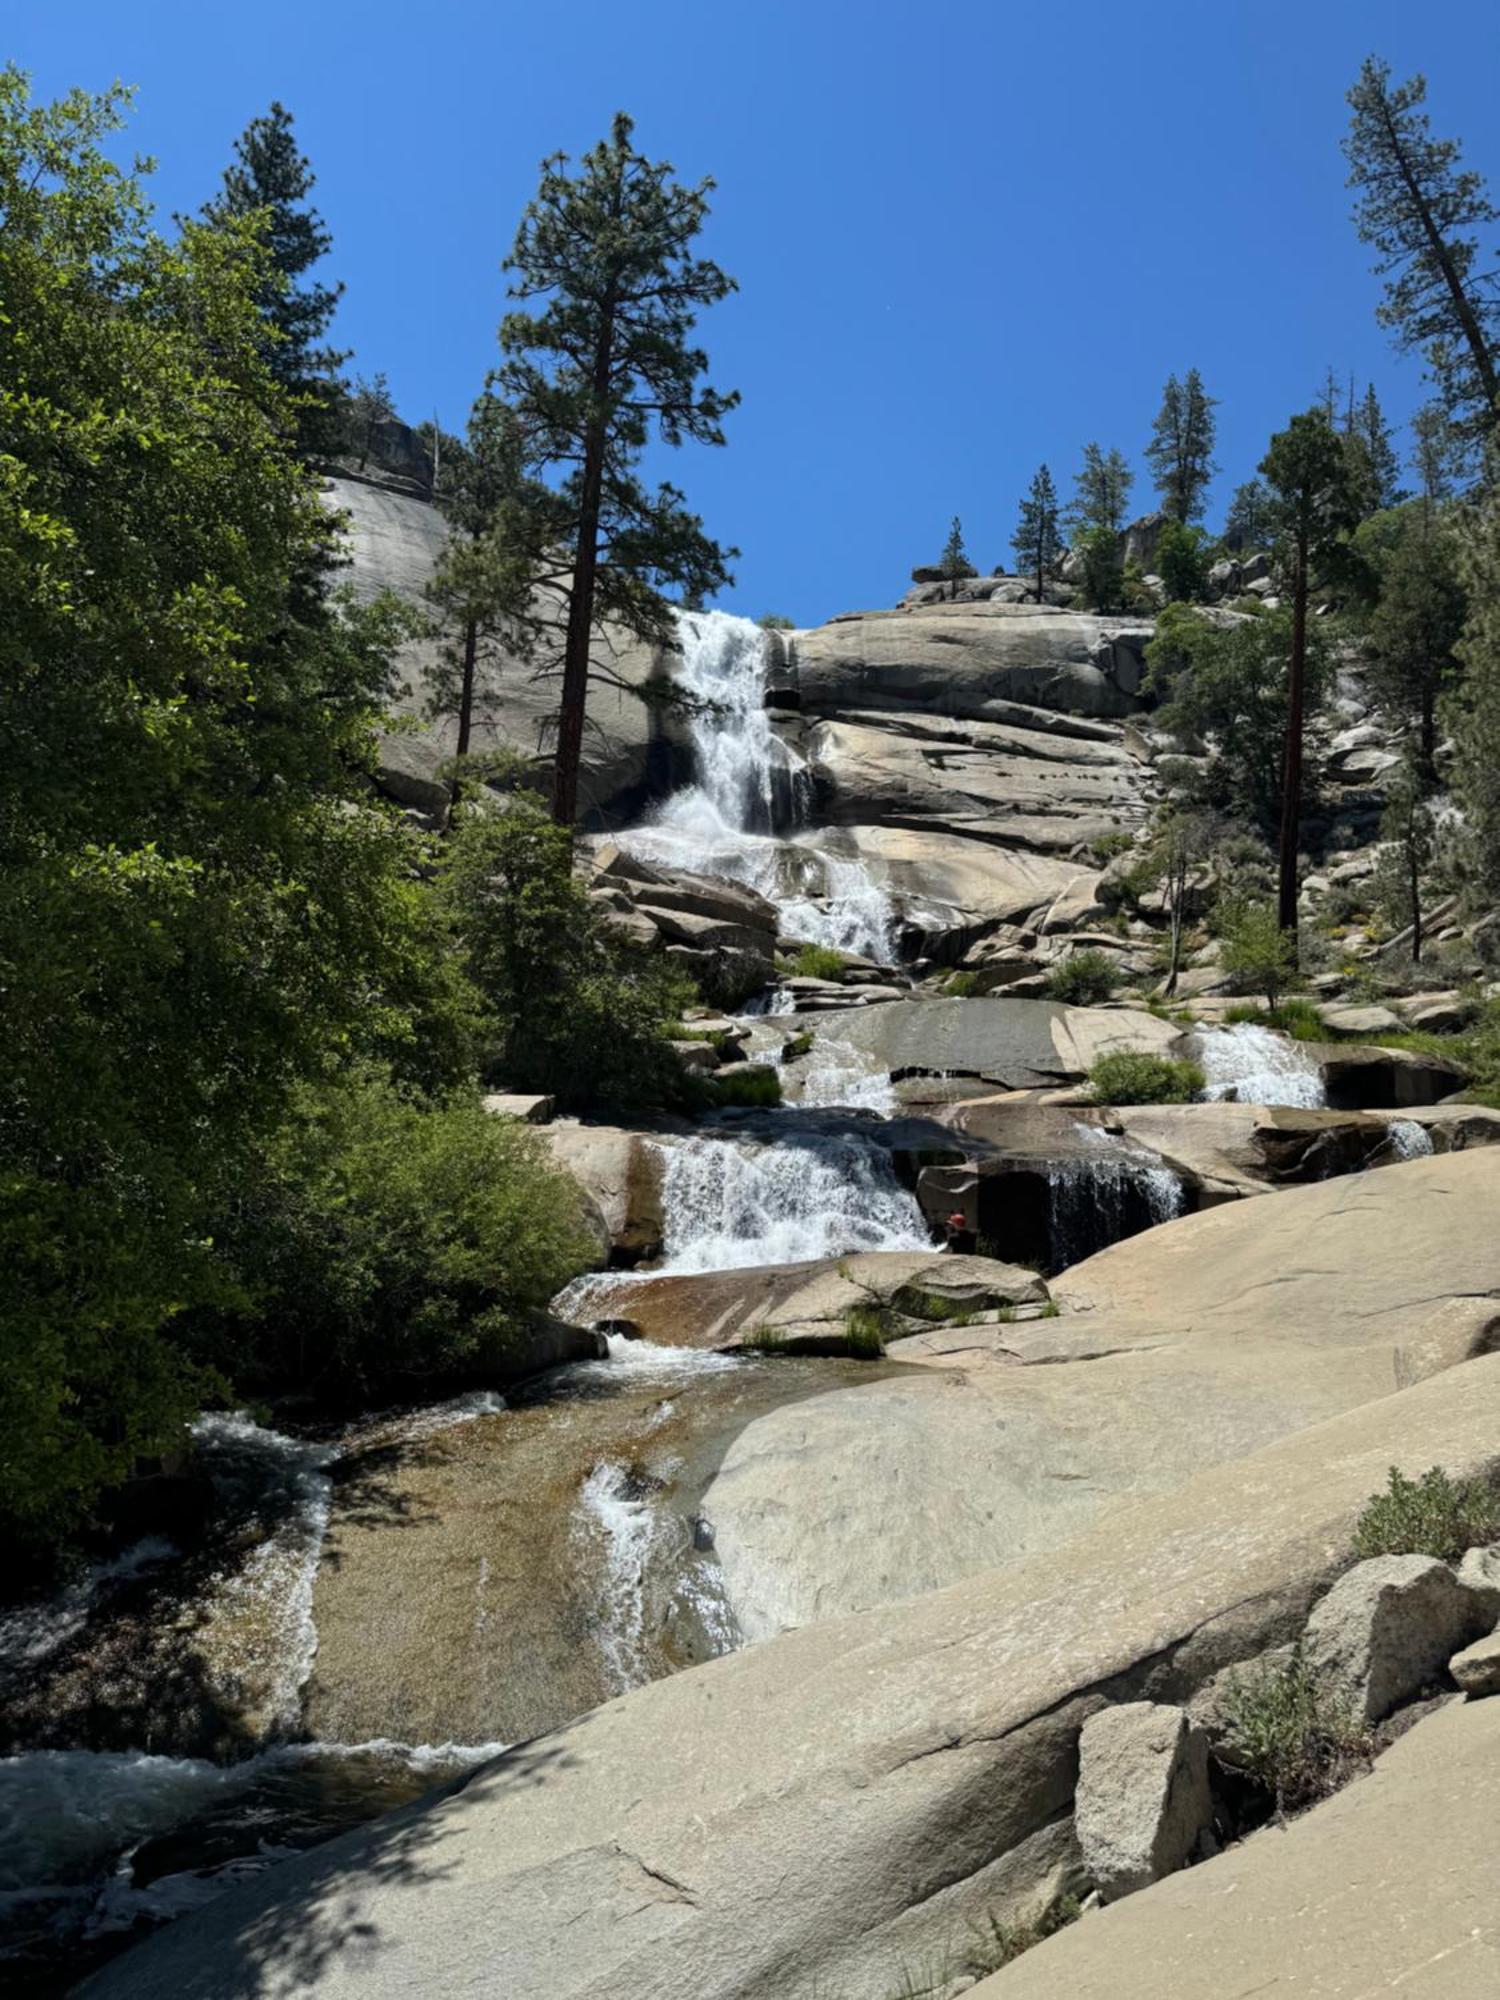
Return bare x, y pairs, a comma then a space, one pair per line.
270, 177
482, 585
1415, 630
603, 361
369, 407
1438, 454
1407, 828
1419, 210
1249, 523
1308, 472
1181, 450
1374, 432
954, 562
1476, 714
1102, 491
1038, 538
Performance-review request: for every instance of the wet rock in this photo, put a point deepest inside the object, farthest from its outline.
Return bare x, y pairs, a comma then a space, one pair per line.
1387, 1627
1143, 1800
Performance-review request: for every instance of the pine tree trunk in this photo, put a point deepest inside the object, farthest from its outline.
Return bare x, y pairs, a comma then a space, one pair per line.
466, 697
1291, 779
1414, 885
1428, 737
575, 687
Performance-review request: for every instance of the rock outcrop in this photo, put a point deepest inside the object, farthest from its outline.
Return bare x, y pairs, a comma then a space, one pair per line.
1143, 1802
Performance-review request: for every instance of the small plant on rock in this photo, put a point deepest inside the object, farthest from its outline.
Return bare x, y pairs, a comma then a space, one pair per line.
1435, 1515
1082, 979
756, 1087
864, 1332
1293, 1734
1131, 1078
961, 985
818, 961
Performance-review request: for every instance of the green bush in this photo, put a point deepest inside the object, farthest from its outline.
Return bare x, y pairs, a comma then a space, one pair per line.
864, 1332
797, 1047
1257, 952
1083, 978
1435, 1515
572, 1009
1126, 1078
1299, 1018
386, 1244
1293, 1734
818, 961
961, 985
754, 1087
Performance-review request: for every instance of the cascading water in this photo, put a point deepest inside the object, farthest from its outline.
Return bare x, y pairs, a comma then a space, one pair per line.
1253, 1065
1107, 1191
1408, 1139
729, 1205
750, 793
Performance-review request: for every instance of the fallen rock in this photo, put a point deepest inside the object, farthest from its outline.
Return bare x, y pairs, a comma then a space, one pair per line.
1477, 1667
1143, 1799
1387, 1627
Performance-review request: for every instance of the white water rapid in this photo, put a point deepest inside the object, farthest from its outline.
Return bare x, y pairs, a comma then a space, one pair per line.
740, 817
729, 1205
1253, 1065
1093, 1194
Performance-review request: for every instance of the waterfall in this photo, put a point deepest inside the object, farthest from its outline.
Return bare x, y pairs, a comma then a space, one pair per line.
750, 791
1408, 1140
1253, 1065
729, 1205
1110, 1191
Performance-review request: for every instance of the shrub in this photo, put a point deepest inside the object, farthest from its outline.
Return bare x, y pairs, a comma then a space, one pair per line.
1083, 978
752, 1087
818, 961
797, 1047
1435, 1515
1109, 845
1128, 1078
1182, 562
572, 1009
961, 985
1298, 1018
1294, 1735
1256, 950
386, 1243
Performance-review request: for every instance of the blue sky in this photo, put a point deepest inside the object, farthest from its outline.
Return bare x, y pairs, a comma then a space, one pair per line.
967, 238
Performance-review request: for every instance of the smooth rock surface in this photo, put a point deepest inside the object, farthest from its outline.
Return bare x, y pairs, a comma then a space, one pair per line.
1477, 1667
811, 1816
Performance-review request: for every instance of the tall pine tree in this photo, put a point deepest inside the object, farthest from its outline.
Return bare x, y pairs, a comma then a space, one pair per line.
600, 361
954, 561
1420, 211
271, 180
1181, 451
1308, 473
1038, 538
1101, 492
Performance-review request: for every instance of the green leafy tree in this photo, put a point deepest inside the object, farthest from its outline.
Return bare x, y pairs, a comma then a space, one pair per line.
1414, 632
1308, 473
1102, 492
1181, 451
599, 362
1037, 541
200, 908
1257, 948
1250, 522
268, 186
572, 1010
1420, 211
1182, 562
954, 562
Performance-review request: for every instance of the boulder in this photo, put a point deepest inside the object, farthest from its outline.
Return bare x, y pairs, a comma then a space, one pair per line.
1386, 1628
1143, 1801
620, 1172
1479, 1573
1386, 1888
802, 1817
1365, 1077
1076, 905
1366, 1020
1437, 1013
529, 1106
1477, 1667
